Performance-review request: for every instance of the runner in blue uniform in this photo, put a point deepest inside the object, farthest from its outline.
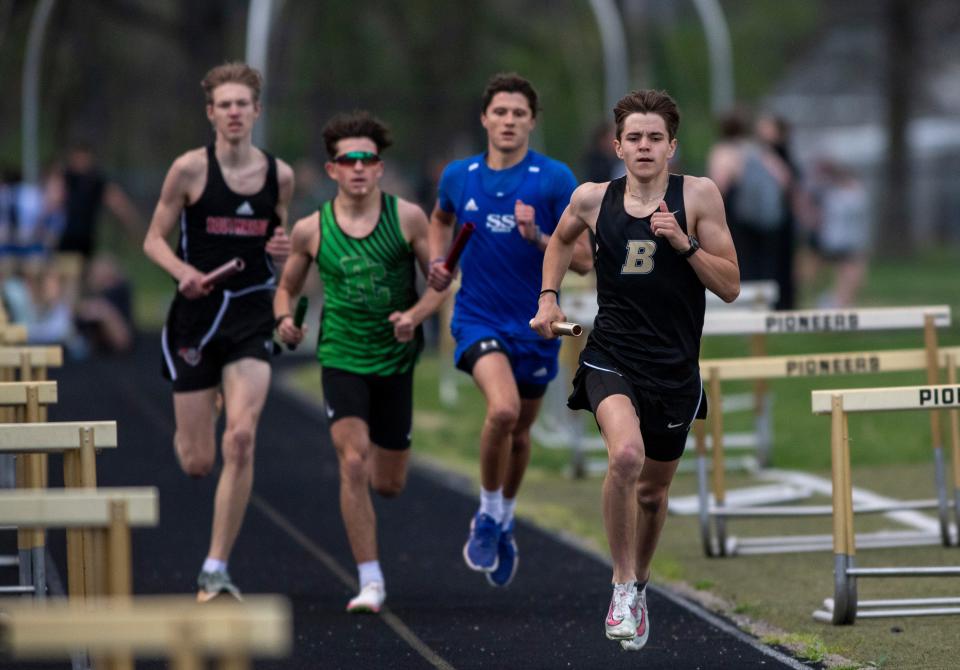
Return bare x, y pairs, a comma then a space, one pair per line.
515, 197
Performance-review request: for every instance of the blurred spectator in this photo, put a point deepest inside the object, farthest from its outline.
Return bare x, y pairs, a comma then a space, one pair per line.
754, 182
101, 320
600, 162
87, 190
842, 233
774, 132
31, 218
36, 299
104, 314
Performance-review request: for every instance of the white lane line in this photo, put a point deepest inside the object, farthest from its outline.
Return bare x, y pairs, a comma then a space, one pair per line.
328, 561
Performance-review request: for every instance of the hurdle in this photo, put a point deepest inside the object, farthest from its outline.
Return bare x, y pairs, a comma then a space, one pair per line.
25, 399
807, 365
25, 363
12, 333
78, 442
107, 514
927, 318
844, 607
172, 627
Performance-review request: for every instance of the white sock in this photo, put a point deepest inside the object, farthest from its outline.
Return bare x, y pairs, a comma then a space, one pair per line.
214, 565
369, 572
509, 505
491, 502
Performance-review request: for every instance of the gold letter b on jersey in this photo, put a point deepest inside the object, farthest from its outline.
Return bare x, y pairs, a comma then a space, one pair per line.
639, 257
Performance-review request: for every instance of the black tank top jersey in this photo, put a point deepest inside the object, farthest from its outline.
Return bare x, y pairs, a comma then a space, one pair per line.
650, 301
222, 225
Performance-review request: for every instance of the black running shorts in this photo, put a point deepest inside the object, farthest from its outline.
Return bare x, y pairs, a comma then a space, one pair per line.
204, 335
665, 418
384, 403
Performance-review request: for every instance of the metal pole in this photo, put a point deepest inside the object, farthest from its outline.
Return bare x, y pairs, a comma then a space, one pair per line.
721, 55
30, 109
259, 19
614, 40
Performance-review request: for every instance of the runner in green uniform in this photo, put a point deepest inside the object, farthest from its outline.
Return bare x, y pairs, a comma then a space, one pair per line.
366, 244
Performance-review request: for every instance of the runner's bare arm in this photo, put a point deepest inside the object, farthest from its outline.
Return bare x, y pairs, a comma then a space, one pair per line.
439, 235
278, 246
582, 261
416, 228
716, 262
304, 245
174, 196
579, 216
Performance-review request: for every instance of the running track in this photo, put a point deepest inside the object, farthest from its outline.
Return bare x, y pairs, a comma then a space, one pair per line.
439, 614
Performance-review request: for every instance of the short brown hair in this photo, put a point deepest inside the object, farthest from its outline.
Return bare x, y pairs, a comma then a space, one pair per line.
358, 123
648, 101
232, 73
510, 82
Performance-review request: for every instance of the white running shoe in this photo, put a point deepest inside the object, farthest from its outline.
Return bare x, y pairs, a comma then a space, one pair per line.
643, 623
621, 623
369, 600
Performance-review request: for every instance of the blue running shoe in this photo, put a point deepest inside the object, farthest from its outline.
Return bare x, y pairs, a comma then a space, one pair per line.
480, 551
508, 556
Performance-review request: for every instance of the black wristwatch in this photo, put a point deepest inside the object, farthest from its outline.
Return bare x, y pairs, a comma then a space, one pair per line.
694, 246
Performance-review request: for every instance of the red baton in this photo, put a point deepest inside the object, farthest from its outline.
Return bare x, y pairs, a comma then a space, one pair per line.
226, 270
458, 244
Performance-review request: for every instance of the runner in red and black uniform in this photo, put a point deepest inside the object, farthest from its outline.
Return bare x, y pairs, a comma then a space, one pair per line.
229, 200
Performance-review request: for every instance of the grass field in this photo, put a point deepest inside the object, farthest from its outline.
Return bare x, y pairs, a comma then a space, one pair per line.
891, 455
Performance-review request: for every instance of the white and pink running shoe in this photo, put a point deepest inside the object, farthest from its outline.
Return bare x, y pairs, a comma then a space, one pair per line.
369, 600
639, 610
621, 623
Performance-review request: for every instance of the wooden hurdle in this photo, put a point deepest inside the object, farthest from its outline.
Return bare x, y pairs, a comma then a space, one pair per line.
806, 365
172, 627
844, 607
25, 363
109, 512
12, 333
78, 442
927, 318
26, 400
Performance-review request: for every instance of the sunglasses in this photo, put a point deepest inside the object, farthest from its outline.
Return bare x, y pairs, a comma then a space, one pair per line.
351, 157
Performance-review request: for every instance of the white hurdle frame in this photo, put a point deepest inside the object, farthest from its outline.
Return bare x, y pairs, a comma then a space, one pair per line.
844, 608
743, 322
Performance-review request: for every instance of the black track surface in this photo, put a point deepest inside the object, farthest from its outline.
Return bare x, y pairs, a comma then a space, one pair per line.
293, 543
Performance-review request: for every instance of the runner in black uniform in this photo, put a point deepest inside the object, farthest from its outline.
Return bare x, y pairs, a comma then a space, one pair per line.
234, 320
230, 200
661, 239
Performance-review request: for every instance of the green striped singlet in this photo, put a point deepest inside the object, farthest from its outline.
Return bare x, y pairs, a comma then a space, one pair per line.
364, 281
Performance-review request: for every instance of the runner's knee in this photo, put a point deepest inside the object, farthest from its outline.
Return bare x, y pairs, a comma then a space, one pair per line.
503, 416
195, 459
389, 486
626, 460
354, 467
238, 446
651, 499
521, 441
